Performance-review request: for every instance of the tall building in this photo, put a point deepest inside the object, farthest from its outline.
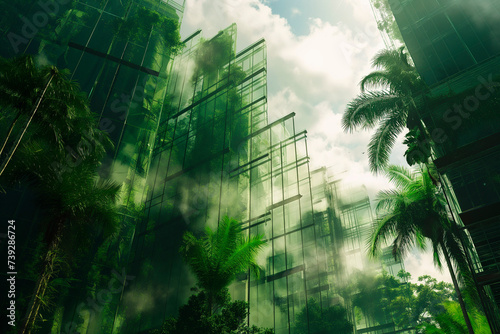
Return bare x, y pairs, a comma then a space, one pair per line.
344, 224
456, 49
216, 155
445, 37
119, 53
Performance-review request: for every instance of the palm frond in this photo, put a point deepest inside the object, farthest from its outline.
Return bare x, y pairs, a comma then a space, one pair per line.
387, 199
376, 79
402, 177
226, 237
407, 236
386, 228
195, 255
368, 108
244, 254
436, 255
382, 142
221, 254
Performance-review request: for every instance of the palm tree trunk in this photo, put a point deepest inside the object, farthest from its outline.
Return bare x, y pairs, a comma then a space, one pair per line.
42, 283
16, 144
9, 132
457, 289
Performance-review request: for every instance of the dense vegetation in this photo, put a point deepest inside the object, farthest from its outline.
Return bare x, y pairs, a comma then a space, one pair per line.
418, 306
53, 149
216, 258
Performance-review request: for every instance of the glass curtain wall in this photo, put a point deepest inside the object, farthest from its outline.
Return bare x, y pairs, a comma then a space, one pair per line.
357, 278
216, 154
119, 53
456, 47
446, 37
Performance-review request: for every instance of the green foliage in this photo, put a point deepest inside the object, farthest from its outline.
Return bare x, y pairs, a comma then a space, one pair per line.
218, 256
62, 123
57, 159
227, 122
406, 214
419, 149
430, 296
415, 212
388, 23
384, 298
193, 319
451, 320
389, 105
332, 319
213, 54
368, 288
138, 26
234, 75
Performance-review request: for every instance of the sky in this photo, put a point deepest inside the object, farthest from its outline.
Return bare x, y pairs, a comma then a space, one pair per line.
318, 51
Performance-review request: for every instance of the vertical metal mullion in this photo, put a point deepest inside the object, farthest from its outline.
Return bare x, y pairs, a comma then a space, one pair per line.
313, 227
285, 230
300, 210
250, 145
272, 222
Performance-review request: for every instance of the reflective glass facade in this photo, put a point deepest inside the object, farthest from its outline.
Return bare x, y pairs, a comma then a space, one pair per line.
456, 49
124, 73
446, 37
215, 154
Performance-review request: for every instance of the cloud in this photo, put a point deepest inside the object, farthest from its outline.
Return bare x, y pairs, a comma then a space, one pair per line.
295, 12
421, 263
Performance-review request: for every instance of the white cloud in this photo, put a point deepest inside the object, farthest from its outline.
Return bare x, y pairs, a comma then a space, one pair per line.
421, 263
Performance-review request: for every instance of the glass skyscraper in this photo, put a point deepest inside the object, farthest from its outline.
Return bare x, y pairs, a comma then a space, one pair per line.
215, 155
446, 37
119, 53
455, 45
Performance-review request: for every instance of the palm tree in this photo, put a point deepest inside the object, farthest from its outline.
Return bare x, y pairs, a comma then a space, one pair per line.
19, 84
43, 95
416, 211
58, 159
218, 256
74, 202
389, 105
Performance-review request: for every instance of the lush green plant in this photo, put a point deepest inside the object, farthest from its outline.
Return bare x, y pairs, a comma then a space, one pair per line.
213, 54
218, 256
390, 105
138, 26
57, 154
77, 207
44, 99
419, 149
193, 319
415, 212
384, 298
451, 320
314, 319
388, 23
